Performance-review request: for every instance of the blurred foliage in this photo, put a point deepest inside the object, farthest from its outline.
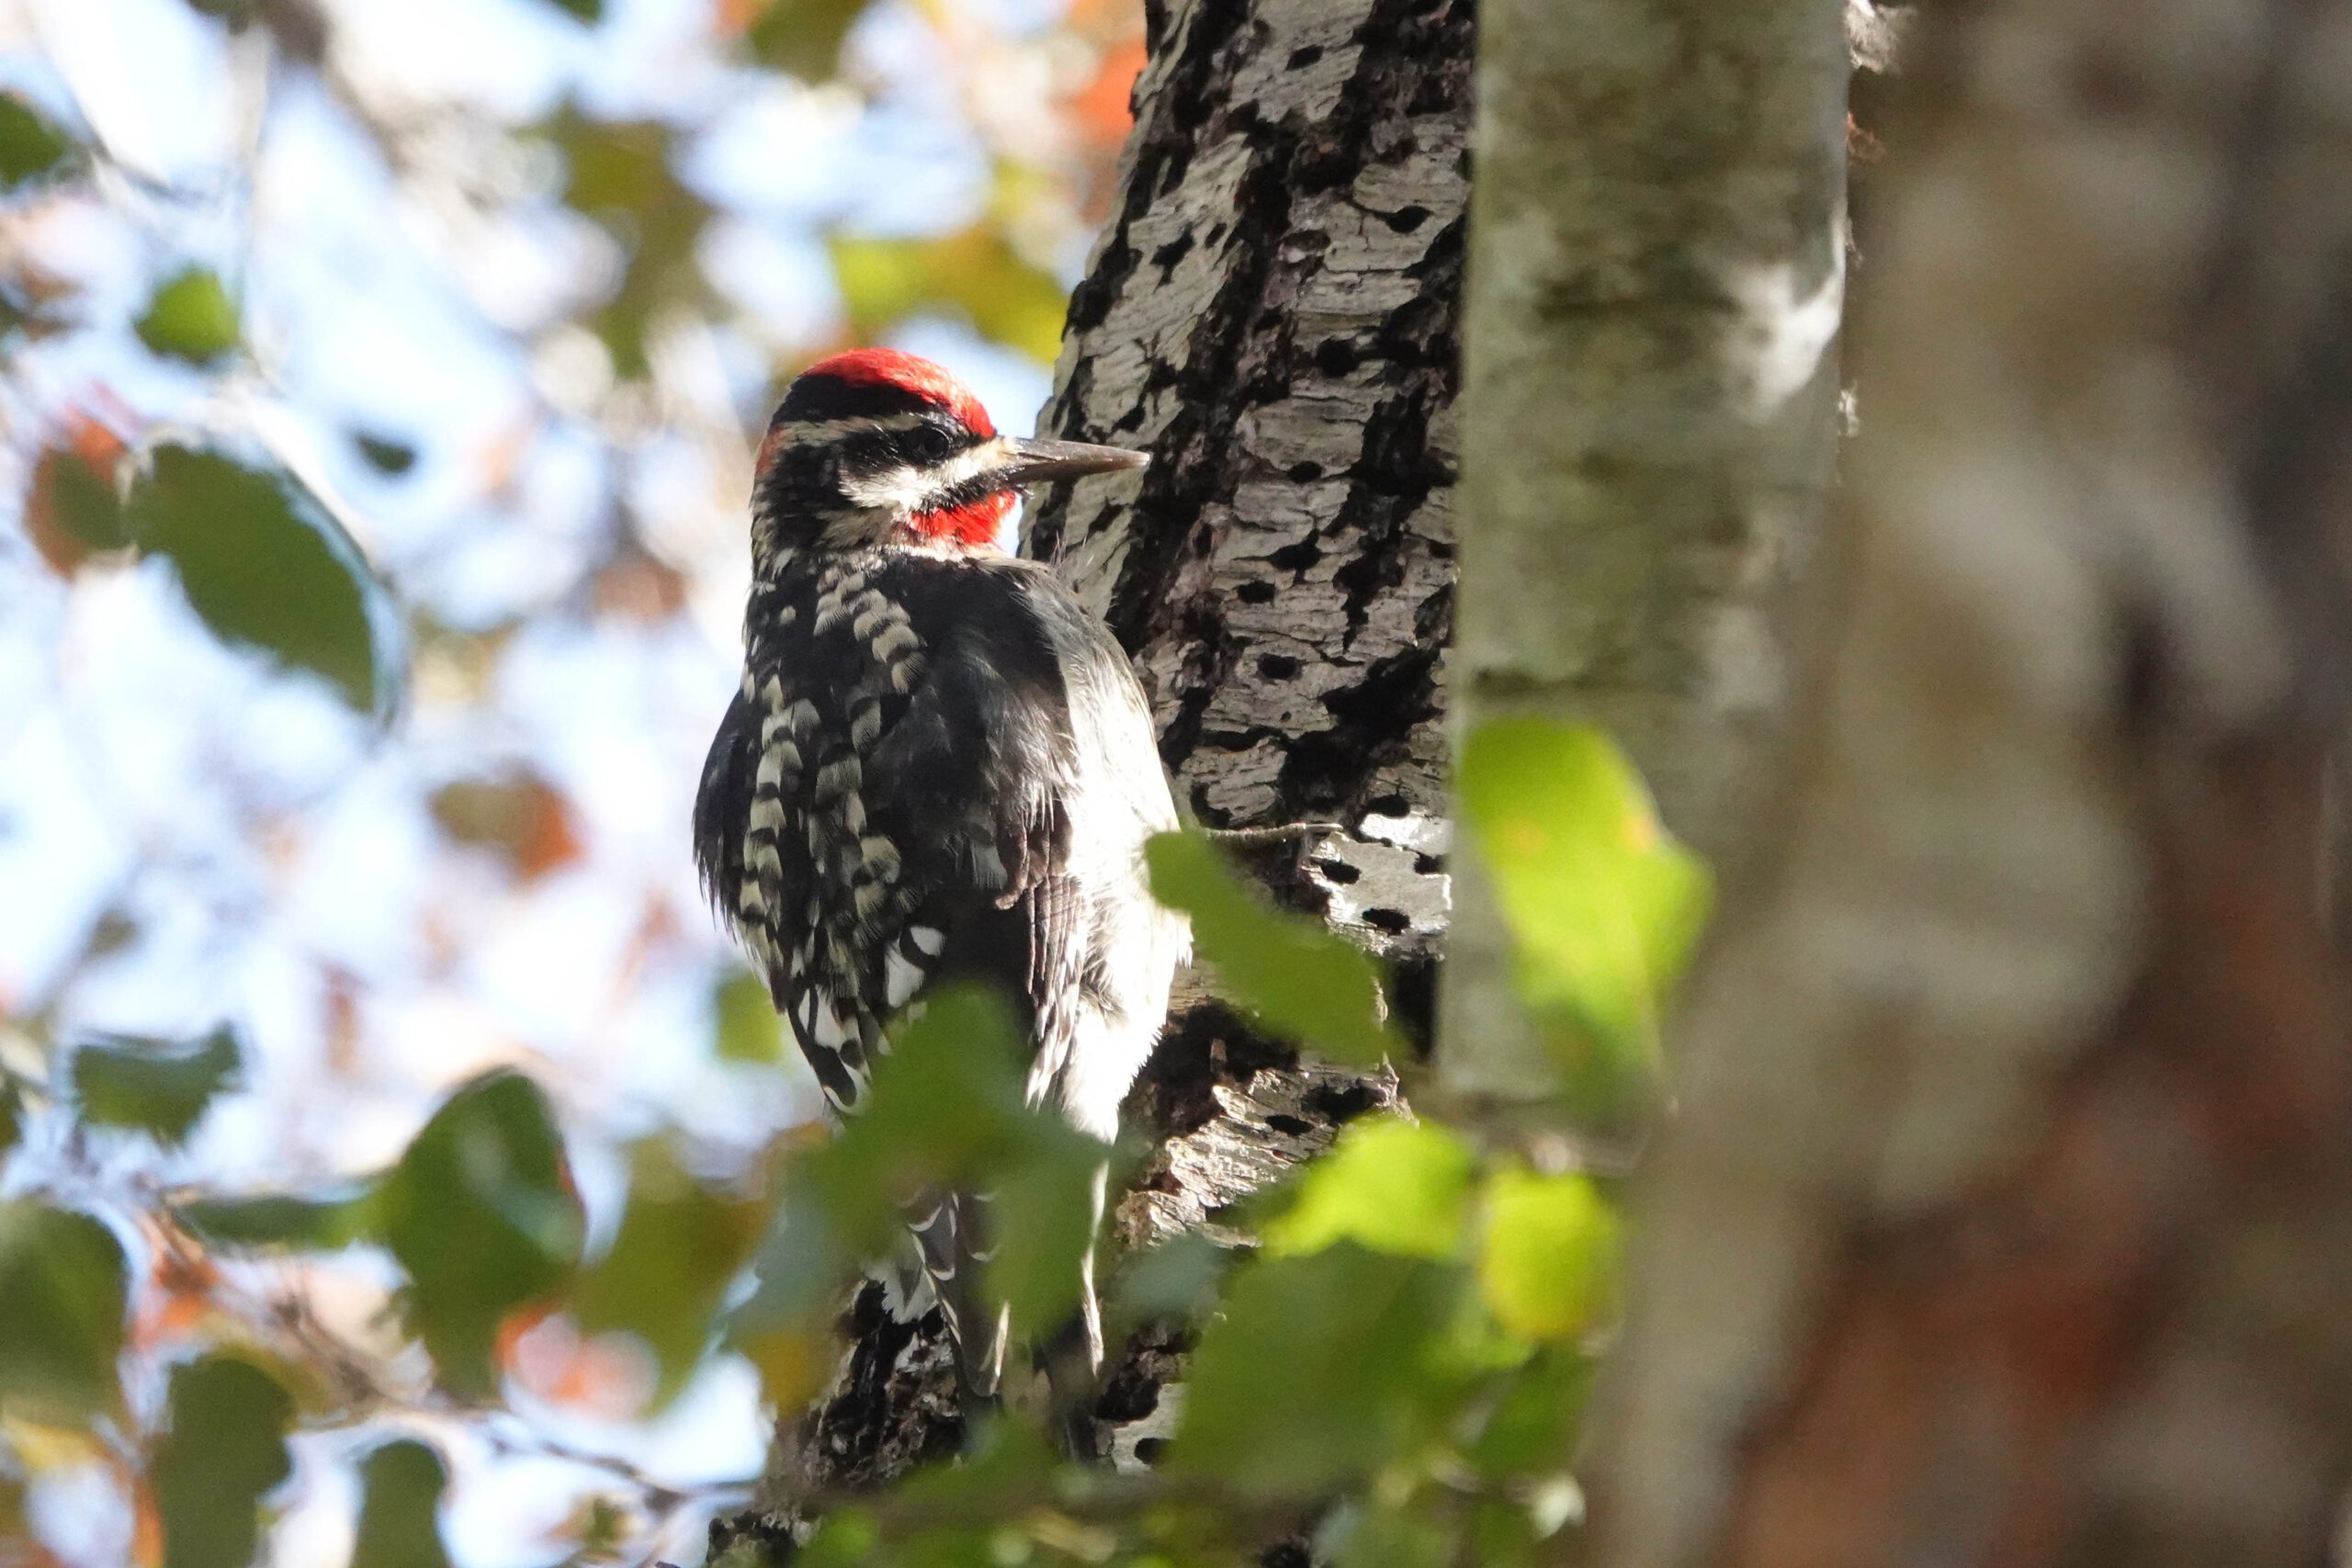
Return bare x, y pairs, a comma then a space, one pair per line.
482, 1213
223, 1445
804, 37
681, 1246
157, 1086
1008, 298
401, 1485
31, 146
62, 1276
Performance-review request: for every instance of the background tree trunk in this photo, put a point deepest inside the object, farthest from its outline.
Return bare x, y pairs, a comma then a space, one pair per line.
1650, 409
2009, 1215
1272, 312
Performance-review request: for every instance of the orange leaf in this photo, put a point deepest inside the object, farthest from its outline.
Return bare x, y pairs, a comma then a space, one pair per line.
523, 817
71, 511
1100, 109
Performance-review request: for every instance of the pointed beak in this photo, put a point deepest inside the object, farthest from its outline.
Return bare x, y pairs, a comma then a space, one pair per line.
1039, 462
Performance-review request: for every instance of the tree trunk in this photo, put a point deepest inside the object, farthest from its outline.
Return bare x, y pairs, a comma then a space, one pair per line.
1273, 315
2009, 1219
1650, 410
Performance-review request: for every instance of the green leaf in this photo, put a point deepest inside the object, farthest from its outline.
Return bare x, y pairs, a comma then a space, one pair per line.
1367, 1536
190, 317
1530, 1426
31, 146
79, 499
803, 36
321, 1221
1603, 906
1007, 299
265, 566
12, 1114
1390, 1185
1299, 979
482, 1213
62, 1276
748, 1027
225, 1448
587, 13
680, 1247
945, 1113
1549, 1262
401, 1486
159, 1087
1316, 1372
846, 1537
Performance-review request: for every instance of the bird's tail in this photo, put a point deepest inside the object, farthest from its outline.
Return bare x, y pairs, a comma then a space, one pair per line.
951, 1249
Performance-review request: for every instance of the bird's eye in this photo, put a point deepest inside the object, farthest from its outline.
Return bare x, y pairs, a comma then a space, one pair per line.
925, 444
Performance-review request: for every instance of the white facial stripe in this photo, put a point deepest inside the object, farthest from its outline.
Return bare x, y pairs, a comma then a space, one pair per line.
801, 433
904, 491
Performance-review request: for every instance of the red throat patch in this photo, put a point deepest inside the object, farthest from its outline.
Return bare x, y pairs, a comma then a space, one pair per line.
974, 522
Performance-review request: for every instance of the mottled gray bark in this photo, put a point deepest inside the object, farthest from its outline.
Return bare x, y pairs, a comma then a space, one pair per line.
1271, 313
2008, 1217
1649, 408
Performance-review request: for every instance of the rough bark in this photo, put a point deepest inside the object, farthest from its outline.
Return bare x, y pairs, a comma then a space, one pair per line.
1650, 415
1271, 313
2009, 1216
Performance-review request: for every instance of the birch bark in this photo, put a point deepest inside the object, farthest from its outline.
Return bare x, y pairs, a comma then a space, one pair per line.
2007, 1216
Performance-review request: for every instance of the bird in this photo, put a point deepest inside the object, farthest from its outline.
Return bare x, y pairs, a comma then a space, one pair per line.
938, 764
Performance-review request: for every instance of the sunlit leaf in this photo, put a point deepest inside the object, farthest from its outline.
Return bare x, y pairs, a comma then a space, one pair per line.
61, 1275
681, 1242
313, 1220
748, 1027
223, 1449
482, 1213
159, 1087
1548, 1262
1603, 906
1007, 297
1390, 1185
31, 146
1297, 977
265, 566
400, 1500
803, 36
1313, 1375
190, 317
